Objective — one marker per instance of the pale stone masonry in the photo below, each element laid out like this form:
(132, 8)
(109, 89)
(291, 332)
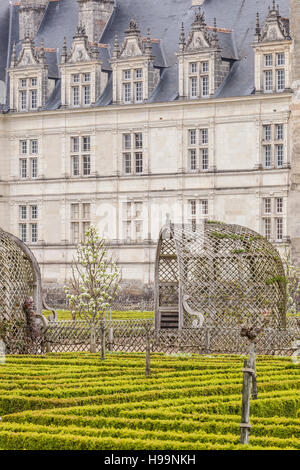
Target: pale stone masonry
(129, 113)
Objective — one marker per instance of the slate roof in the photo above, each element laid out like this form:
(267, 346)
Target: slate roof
(164, 20)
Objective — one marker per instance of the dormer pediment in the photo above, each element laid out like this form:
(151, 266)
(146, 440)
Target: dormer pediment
(132, 45)
(131, 48)
(28, 55)
(80, 51)
(197, 41)
(275, 28)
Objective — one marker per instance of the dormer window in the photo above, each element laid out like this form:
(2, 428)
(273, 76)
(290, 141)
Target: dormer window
(81, 93)
(272, 45)
(135, 74)
(202, 61)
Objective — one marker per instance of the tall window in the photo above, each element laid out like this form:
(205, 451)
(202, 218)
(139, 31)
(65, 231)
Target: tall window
(28, 94)
(198, 154)
(273, 149)
(198, 79)
(274, 72)
(197, 211)
(133, 153)
(28, 158)
(272, 218)
(133, 221)
(81, 89)
(28, 223)
(80, 156)
(80, 221)
(132, 85)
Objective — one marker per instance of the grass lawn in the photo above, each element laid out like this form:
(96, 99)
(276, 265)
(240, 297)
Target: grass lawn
(116, 315)
(75, 401)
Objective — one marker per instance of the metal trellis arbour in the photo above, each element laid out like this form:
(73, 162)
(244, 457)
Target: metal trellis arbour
(214, 274)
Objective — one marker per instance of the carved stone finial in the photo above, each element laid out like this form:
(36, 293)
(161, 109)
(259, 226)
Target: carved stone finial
(116, 52)
(64, 52)
(42, 51)
(215, 40)
(182, 38)
(133, 27)
(148, 47)
(14, 56)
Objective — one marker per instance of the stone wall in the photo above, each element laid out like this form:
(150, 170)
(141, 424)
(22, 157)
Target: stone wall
(294, 197)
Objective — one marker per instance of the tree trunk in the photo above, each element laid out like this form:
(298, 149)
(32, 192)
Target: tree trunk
(102, 341)
(92, 337)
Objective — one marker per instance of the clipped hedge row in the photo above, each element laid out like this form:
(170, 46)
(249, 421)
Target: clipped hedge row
(74, 401)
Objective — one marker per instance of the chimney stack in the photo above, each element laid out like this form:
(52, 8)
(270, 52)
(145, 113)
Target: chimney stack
(94, 15)
(31, 13)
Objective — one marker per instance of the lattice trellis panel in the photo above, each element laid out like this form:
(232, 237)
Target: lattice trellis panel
(227, 273)
(16, 279)
(131, 336)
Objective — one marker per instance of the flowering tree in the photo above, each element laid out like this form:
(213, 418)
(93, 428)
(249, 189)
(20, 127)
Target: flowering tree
(94, 283)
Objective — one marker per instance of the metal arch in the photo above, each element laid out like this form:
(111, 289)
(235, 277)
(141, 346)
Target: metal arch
(227, 274)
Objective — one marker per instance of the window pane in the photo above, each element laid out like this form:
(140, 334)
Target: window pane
(192, 137)
(193, 207)
(23, 212)
(139, 162)
(87, 77)
(139, 140)
(86, 211)
(279, 131)
(204, 207)
(86, 143)
(193, 87)
(23, 146)
(86, 165)
(75, 232)
(75, 96)
(127, 92)
(279, 229)
(193, 67)
(279, 205)
(34, 147)
(75, 165)
(34, 233)
(34, 212)
(204, 136)
(74, 144)
(127, 163)
(87, 95)
(267, 228)
(23, 168)
(193, 159)
(75, 211)
(280, 80)
(204, 159)
(267, 205)
(268, 80)
(268, 60)
(205, 86)
(267, 156)
(204, 67)
(138, 73)
(34, 167)
(280, 58)
(267, 132)
(23, 232)
(126, 74)
(139, 91)
(23, 100)
(127, 141)
(33, 101)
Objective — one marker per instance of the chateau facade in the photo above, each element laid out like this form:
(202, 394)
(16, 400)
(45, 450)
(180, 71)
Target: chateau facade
(129, 113)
